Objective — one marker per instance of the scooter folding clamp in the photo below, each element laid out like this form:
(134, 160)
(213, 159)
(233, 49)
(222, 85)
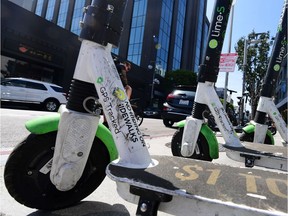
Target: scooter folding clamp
(250, 159)
(149, 200)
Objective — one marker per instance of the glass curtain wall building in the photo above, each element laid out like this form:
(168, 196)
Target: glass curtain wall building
(179, 35)
(62, 14)
(164, 34)
(137, 31)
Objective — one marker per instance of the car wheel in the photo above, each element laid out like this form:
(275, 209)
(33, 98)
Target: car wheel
(51, 105)
(168, 123)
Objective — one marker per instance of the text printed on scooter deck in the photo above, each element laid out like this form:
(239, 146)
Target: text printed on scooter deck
(184, 177)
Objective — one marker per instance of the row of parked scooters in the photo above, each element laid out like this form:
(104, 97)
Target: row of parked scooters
(67, 155)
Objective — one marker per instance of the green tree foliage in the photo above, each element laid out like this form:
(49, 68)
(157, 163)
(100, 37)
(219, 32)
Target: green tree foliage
(182, 77)
(257, 64)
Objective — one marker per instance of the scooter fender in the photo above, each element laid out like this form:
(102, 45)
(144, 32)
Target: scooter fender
(209, 136)
(250, 128)
(49, 123)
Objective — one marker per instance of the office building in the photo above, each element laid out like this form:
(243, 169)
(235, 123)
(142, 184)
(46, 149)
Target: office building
(158, 36)
(163, 34)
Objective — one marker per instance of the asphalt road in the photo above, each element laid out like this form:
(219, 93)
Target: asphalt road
(104, 201)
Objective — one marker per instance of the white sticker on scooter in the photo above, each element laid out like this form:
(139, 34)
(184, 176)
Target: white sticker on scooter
(47, 167)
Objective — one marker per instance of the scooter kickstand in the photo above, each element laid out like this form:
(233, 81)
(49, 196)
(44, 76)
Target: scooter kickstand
(149, 200)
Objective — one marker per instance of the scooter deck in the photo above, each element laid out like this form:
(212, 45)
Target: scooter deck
(269, 156)
(194, 179)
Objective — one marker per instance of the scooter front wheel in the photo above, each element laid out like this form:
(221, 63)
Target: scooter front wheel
(249, 137)
(27, 173)
(201, 150)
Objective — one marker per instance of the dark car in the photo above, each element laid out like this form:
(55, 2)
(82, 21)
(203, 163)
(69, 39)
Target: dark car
(178, 105)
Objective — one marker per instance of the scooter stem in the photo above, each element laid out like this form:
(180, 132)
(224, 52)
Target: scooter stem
(95, 68)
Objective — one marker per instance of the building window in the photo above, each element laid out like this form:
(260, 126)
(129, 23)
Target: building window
(137, 31)
(115, 50)
(39, 7)
(164, 34)
(197, 61)
(50, 10)
(77, 16)
(63, 13)
(179, 35)
(205, 39)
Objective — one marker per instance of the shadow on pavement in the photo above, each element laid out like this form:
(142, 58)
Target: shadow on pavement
(23, 106)
(87, 208)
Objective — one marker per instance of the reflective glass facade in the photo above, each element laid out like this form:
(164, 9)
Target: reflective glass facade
(77, 16)
(137, 31)
(164, 34)
(179, 35)
(62, 13)
(50, 10)
(205, 39)
(39, 7)
(167, 34)
(199, 37)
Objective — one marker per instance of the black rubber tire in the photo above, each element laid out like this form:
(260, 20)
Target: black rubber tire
(51, 105)
(34, 189)
(273, 130)
(248, 137)
(202, 144)
(168, 123)
(139, 119)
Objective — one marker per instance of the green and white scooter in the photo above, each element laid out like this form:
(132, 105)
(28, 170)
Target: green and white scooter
(199, 145)
(257, 131)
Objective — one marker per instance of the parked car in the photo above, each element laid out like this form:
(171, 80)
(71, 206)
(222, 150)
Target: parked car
(178, 105)
(30, 91)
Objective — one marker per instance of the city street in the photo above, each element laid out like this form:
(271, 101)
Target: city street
(105, 200)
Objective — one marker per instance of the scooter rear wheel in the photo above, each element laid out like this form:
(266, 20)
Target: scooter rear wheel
(202, 146)
(31, 186)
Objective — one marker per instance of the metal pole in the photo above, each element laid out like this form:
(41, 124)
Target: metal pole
(229, 50)
(241, 117)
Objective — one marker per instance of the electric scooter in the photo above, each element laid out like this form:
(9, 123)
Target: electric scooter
(49, 171)
(257, 130)
(194, 146)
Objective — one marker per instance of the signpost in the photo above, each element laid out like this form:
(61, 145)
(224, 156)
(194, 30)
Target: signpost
(227, 62)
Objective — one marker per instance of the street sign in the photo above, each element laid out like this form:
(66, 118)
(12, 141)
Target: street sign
(227, 62)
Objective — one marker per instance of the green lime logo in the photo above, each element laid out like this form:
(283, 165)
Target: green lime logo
(276, 67)
(213, 44)
(100, 80)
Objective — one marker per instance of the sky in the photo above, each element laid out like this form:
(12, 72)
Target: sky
(249, 15)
